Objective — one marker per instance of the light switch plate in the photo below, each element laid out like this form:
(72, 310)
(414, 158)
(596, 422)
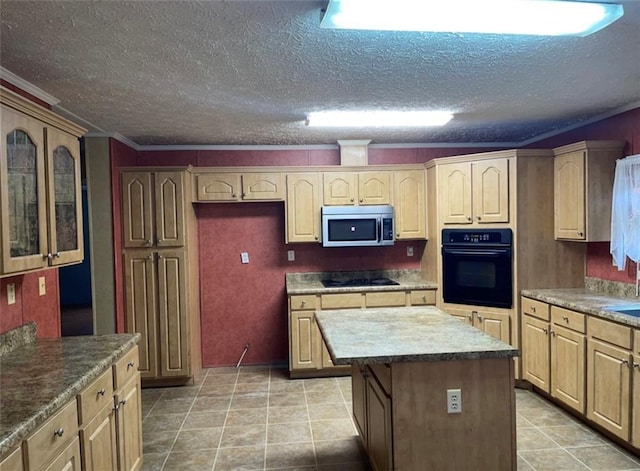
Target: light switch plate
(11, 293)
(409, 251)
(42, 286)
(291, 255)
(244, 256)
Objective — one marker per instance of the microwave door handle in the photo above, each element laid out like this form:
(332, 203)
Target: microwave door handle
(379, 229)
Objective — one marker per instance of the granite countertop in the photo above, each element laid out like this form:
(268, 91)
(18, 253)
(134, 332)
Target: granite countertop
(587, 301)
(38, 378)
(310, 283)
(404, 334)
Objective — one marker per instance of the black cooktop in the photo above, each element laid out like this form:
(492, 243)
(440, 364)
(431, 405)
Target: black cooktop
(358, 282)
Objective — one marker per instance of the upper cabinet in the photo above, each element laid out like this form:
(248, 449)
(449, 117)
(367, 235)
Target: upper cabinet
(474, 192)
(356, 188)
(303, 207)
(583, 185)
(409, 203)
(40, 188)
(224, 186)
(153, 209)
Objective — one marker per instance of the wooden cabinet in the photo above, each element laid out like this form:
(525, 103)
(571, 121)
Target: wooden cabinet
(474, 192)
(160, 272)
(223, 187)
(303, 207)
(13, 461)
(635, 402)
(583, 185)
(361, 188)
(493, 322)
(609, 367)
(128, 405)
(40, 188)
(409, 204)
(67, 460)
(98, 439)
(153, 209)
(359, 399)
(304, 352)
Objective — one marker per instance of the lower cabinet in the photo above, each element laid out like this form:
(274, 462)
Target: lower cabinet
(129, 426)
(67, 460)
(13, 461)
(495, 323)
(98, 440)
(635, 433)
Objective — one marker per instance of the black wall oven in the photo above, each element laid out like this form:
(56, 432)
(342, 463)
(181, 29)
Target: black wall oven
(477, 267)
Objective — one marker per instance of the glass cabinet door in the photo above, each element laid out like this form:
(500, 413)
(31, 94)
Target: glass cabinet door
(65, 218)
(22, 196)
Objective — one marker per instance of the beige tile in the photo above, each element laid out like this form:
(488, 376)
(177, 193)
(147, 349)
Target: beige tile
(153, 461)
(523, 465)
(290, 455)
(333, 429)
(293, 432)
(552, 460)
(163, 423)
(285, 399)
(217, 380)
(199, 460)
(529, 400)
(223, 390)
(279, 375)
(320, 384)
(339, 451)
(521, 421)
(327, 396)
(292, 386)
(203, 439)
(254, 377)
(329, 411)
(205, 419)
(157, 442)
(530, 438)
(572, 435)
(247, 435)
(204, 403)
(172, 406)
(180, 392)
(250, 400)
(244, 457)
(222, 370)
(237, 417)
(278, 415)
(243, 388)
(603, 458)
(546, 417)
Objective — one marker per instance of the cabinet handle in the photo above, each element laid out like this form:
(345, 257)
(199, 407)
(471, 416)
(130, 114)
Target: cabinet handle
(424, 299)
(478, 218)
(553, 333)
(101, 392)
(116, 407)
(122, 402)
(160, 257)
(244, 194)
(581, 234)
(479, 318)
(149, 242)
(533, 309)
(636, 365)
(160, 241)
(130, 365)
(150, 257)
(624, 362)
(565, 318)
(303, 303)
(233, 195)
(470, 316)
(545, 330)
(361, 201)
(352, 200)
(59, 432)
(56, 255)
(397, 234)
(50, 256)
(315, 237)
(469, 218)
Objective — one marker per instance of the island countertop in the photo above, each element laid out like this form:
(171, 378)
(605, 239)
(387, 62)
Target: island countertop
(404, 334)
(38, 378)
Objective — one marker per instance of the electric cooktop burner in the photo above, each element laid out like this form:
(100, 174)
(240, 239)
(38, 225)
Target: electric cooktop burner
(358, 282)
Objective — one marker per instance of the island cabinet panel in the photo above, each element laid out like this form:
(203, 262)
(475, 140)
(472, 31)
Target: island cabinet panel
(494, 322)
(359, 376)
(13, 461)
(379, 424)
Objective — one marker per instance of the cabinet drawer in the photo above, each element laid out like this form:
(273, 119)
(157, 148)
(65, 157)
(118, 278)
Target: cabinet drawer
(44, 444)
(615, 334)
(535, 308)
(95, 397)
(303, 301)
(423, 296)
(343, 300)
(386, 298)
(570, 319)
(382, 372)
(125, 368)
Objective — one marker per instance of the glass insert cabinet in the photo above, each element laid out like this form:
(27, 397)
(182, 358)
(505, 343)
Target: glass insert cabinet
(40, 199)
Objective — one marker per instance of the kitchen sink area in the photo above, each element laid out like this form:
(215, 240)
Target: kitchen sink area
(631, 310)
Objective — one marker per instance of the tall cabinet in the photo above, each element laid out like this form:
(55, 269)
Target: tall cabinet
(161, 272)
(40, 199)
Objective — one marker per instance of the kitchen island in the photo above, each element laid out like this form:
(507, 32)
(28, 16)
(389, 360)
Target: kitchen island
(408, 365)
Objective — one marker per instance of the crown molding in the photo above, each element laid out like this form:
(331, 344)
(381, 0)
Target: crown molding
(28, 87)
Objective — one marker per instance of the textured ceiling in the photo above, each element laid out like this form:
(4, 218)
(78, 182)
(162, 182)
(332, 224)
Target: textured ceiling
(248, 72)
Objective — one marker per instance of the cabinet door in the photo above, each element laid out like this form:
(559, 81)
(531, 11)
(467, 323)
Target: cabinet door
(536, 352)
(173, 335)
(327, 362)
(569, 195)
(409, 204)
(379, 427)
(140, 307)
(454, 191)
(340, 189)
(490, 180)
(169, 209)
(263, 186)
(67, 460)
(568, 367)
(465, 315)
(359, 398)
(65, 199)
(305, 341)
(609, 387)
(13, 462)
(303, 207)
(129, 426)
(23, 207)
(635, 403)
(98, 441)
(374, 188)
(218, 187)
(496, 324)
(137, 209)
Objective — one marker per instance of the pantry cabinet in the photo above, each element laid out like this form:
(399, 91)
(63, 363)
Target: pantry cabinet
(409, 204)
(225, 186)
(474, 192)
(356, 188)
(303, 207)
(40, 188)
(583, 186)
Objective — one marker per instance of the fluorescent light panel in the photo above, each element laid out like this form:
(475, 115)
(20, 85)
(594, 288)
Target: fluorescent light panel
(359, 119)
(531, 17)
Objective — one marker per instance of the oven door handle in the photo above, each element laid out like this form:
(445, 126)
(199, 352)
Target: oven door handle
(379, 229)
(490, 253)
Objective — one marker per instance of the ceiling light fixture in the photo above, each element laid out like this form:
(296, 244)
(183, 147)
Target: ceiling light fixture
(531, 17)
(359, 119)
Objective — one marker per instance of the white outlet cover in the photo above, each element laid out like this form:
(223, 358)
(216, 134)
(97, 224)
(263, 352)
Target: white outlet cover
(291, 255)
(11, 293)
(409, 251)
(244, 257)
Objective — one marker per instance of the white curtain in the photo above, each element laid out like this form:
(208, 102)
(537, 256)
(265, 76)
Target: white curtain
(625, 212)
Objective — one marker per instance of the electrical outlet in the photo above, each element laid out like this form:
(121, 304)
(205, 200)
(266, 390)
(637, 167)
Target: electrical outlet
(454, 401)
(409, 251)
(11, 293)
(42, 286)
(244, 257)
(291, 255)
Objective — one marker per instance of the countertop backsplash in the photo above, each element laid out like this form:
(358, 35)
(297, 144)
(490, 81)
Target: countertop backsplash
(613, 288)
(18, 337)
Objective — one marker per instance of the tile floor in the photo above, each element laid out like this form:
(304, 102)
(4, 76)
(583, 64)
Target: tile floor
(255, 418)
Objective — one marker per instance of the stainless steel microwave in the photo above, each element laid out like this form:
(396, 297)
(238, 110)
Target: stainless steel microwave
(357, 226)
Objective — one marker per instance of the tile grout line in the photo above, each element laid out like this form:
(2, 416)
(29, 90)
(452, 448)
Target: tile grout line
(226, 416)
(313, 440)
(266, 431)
